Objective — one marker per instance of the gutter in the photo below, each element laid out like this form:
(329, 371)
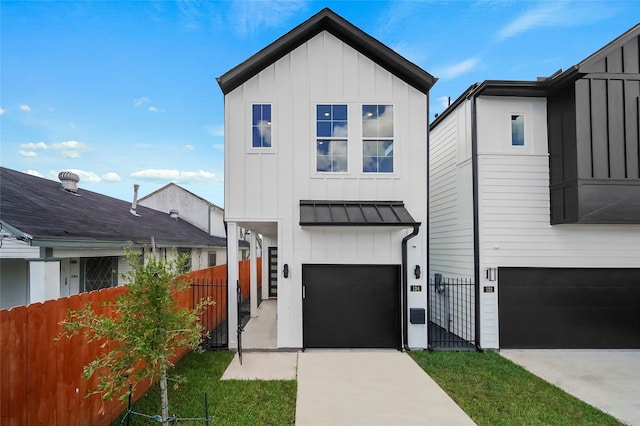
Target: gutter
(405, 282)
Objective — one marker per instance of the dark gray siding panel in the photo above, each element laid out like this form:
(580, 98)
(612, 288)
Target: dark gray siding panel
(569, 308)
(631, 57)
(631, 127)
(599, 135)
(599, 128)
(615, 130)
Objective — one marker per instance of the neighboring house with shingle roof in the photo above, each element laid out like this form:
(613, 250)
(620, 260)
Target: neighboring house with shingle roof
(58, 241)
(197, 211)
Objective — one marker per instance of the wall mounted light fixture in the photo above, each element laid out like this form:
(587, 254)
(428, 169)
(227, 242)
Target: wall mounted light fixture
(492, 274)
(285, 271)
(417, 272)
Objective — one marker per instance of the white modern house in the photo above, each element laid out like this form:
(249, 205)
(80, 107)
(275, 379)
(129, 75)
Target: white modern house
(58, 239)
(325, 156)
(535, 195)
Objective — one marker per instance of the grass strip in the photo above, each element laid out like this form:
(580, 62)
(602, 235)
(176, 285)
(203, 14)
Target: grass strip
(231, 402)
(492, 390)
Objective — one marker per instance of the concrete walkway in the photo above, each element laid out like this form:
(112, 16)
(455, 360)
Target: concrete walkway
(351, 387)
(260, 333)
(607, 379)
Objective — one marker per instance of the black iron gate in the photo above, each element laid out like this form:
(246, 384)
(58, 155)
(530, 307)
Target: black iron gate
(214, 317)
(452, 313)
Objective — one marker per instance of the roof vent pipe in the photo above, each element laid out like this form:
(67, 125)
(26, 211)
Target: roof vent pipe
(69, 181)
(174, 214)
(135, 200)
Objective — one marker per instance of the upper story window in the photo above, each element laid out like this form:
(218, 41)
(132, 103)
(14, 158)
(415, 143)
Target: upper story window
(261, 126)
(517, 130)
(377, 142)
(331, 138)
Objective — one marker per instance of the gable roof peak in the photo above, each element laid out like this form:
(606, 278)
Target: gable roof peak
(327, 20)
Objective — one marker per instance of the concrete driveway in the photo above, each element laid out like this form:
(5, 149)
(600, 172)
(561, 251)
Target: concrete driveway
(606, 379)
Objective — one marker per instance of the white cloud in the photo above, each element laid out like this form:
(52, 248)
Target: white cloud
(111, 177)
(70, 149)
(153, 109)
(85, 176)
(251, 16)
(455, 70)
(556, 14)
(189, 147)
(31, 145)
(215, 130)
(27, 153)
(197, 14)
(443, 101)
(34, 173)
(2, 111)
(26, 108)
(72, 125)
(138, 102)
(218, 146)
(175, 175)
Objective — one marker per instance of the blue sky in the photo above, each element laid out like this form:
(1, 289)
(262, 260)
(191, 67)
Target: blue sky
(125, 92)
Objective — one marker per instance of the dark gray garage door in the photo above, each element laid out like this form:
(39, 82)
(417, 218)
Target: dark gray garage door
(351, 306)
(569, 308)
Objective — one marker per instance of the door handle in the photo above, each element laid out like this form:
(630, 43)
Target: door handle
(304, 292)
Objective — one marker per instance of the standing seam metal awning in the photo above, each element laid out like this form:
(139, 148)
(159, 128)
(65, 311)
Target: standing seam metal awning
(355, 213)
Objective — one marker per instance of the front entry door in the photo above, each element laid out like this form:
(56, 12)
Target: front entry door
(273, 271)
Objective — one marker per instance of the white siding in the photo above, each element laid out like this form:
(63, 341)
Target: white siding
(451, 196)
(191, 208)
(266, 185)
(514, 208)
(16, 249)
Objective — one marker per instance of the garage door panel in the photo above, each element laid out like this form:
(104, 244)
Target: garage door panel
(569, 308)
(351, 306)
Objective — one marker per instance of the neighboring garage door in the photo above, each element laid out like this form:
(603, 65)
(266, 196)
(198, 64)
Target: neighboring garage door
(569, 308)
(351, 306)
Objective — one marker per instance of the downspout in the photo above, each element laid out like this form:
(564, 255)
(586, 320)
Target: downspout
(226, 246)
(405, 283)
(476, 220)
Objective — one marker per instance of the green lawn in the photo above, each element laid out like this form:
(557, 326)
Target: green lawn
(495, 391)
(490, 388)
(231, 402)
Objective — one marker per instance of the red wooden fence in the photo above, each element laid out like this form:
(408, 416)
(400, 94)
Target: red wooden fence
(40, 377)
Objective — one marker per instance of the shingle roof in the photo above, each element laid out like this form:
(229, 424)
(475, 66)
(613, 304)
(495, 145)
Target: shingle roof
(355, 213)
(48, 213)
(328, 20)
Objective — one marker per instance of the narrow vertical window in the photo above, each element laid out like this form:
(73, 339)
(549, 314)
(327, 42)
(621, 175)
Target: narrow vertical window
(331, 138)
(377, 143)
(517, 130)
(261, 126)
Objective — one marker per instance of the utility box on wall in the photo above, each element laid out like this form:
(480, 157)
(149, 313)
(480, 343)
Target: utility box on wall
(417, 315)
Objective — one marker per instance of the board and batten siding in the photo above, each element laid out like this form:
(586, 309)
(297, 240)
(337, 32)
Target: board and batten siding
(514, 208)
(266, 185)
